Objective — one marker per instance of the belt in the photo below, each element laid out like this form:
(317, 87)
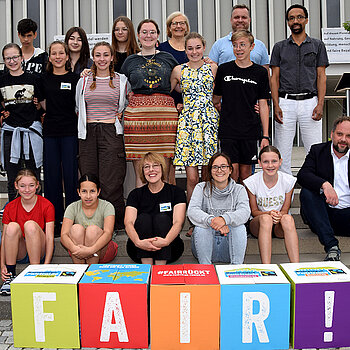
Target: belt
(298, 97)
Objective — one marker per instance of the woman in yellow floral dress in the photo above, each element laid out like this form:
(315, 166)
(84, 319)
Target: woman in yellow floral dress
(196, 139)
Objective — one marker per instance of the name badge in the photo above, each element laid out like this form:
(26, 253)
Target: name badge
(65, 86)
(165, 207)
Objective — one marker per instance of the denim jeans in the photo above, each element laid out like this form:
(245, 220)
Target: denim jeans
(209, 246)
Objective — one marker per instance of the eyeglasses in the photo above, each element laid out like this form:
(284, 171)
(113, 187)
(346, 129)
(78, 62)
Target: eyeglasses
(13, 58)
(222, 167)
(179, 23)
(150, 32)
(123, 30)
(154, 166)
(298, 18)
(240, 45)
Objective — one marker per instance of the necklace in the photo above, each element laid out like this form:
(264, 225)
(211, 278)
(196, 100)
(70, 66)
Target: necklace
(148, 59)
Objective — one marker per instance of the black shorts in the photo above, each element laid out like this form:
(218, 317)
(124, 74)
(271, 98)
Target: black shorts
(240, 151)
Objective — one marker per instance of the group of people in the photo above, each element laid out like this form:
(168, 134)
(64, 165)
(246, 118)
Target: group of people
(161, 106)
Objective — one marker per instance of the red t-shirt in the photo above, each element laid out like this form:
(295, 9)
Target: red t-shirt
(42, 213)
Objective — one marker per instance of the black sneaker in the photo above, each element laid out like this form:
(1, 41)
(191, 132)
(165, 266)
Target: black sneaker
(333, 254)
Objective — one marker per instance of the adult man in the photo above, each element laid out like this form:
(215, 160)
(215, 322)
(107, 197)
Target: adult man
(325, 196)
(222, 50)
(298, 85)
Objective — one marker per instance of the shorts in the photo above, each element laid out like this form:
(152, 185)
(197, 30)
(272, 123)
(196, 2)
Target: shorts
(240, 151)
(247, 225)
(25, 260)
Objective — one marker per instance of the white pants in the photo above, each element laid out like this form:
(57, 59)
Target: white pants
(311, 130)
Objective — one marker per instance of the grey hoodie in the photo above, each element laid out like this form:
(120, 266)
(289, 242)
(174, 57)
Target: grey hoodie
(231, 203)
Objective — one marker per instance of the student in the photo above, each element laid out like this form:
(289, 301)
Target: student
(21, 132)
(219, 208)
(88, 225)
(34, 58)
(28, 231)
(239, 84)
(57, 96)
(270, 194)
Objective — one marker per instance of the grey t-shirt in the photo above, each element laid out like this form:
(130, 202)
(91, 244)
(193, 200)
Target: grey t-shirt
(76, 213)
(298, 64)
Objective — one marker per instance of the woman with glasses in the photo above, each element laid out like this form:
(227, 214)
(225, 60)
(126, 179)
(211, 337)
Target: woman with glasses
(219, 209)
(154, 215)
(150, 120)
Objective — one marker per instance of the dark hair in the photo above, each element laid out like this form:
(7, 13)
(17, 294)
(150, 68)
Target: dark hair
(147, 20)
(340, 120)
(49, 66)
(269, 148)
(131, 43)
(85, 50)
(240, 6)
(11, 46)
(27, 172)
(297, 6)
(26, 25)
(194, 35)
(89, 177)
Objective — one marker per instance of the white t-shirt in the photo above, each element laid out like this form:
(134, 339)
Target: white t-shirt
(270, 198)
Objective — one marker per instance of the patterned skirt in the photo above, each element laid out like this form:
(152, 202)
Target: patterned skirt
(150, 123)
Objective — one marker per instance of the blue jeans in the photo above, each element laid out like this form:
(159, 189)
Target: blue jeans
(209, 246)
(323, 220)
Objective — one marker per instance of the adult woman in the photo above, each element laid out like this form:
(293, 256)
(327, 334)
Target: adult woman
(101, 98)
(219, 208)
(57, 96)
(155, 213)
(88, 225)
(151, 118)
(79, 51)
(28, 232)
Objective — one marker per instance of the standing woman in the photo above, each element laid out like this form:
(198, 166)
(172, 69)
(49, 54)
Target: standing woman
(151, 117)
(57, 96)
(100, 99)
(79, 51)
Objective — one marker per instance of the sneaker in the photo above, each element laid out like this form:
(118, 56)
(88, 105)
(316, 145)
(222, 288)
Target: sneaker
(333, 254)
(6, 288)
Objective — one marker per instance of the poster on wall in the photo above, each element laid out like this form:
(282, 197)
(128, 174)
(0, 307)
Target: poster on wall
(337, 41)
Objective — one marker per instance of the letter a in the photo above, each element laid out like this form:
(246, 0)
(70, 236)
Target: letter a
(248, 318)
(39, 315)
(113, 307)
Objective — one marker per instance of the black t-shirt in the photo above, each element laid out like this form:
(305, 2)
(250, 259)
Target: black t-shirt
(150, 74)
(153, 203)
(240, 88)
(121, 57)
(17, 93)
(59, 93)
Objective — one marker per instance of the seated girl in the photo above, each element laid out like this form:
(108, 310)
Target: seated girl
(28, 232)
(270, 194)
(88, 225)
(219, 208)
(154, 215)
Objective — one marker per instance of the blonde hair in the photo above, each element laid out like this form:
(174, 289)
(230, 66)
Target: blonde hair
(155, 158)
(242, 33)
(27, 172)
(170, 19)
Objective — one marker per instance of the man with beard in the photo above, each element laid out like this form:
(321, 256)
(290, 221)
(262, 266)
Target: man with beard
(298, 85)
(325, 194)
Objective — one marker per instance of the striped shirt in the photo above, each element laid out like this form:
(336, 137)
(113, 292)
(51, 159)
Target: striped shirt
(102, 103)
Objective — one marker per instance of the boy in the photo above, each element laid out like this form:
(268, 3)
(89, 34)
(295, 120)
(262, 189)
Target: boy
(239, 85)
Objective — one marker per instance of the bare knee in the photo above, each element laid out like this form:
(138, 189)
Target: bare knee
(13, 230)
(31, 228)
(265, 220)
(92, 233)
(77, 233)
(287, 222)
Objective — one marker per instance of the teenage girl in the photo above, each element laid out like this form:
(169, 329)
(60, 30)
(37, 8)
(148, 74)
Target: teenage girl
(270, 194)
(28, 231)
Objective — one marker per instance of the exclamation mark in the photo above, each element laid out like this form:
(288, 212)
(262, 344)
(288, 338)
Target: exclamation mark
(328, 311)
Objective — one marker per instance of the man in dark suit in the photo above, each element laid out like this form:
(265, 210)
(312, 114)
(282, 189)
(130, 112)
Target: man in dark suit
(325, 194)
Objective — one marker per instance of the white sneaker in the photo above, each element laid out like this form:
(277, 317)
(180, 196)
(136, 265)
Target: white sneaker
(6, 288)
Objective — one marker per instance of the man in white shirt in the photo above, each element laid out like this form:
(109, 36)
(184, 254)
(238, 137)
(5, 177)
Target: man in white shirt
(325, 194)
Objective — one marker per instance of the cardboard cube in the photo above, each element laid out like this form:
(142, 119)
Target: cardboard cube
(255, 307)
(44, 301)
(320, 304)
(185, 303)
(113, 306)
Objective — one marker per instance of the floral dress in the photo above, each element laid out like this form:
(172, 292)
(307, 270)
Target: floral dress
(197, 131)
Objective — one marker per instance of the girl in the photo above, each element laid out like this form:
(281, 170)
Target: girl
(219, 208)
(155, 214)
(79, 51)
(100, 99)
(88, 225)
(57, 95)
(270, 194)
(28, 231)
(21, 132)
(151, 116)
